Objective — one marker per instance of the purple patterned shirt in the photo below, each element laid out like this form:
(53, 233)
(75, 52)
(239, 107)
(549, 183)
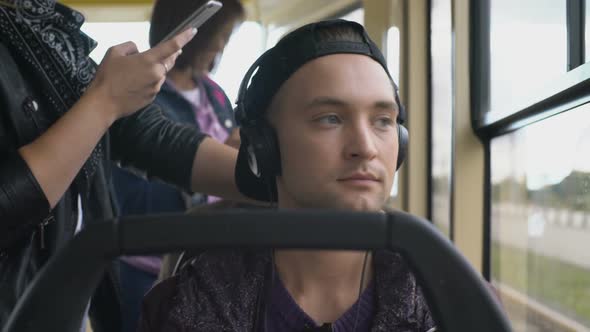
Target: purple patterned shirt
(204, 113)
(284, 314)
(205, 117)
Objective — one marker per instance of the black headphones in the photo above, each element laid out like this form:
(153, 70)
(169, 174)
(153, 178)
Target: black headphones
(255, 131)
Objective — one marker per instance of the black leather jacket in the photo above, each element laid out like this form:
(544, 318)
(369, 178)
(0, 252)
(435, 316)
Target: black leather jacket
(146, 140)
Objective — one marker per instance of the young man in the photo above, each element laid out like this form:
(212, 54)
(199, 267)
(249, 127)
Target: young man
(321, 128)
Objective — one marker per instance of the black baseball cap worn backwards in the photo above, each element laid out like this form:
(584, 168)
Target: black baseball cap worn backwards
(259, 159)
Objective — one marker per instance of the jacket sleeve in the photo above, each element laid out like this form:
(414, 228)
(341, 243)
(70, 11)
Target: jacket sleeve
(163, 148)
(22, 201)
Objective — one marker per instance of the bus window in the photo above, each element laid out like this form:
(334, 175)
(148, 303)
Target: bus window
(540, 257)
(393, 63)
(528, 48)
(441, 109)
(274, 35)
(587, 34)
(357, 15)
(243, 48)
(108, 34)
(238, 56)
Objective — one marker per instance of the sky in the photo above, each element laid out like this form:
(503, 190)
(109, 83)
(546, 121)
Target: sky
(546, 151)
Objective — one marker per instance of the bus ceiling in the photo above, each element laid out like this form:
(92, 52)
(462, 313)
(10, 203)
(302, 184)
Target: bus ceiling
(269, 12)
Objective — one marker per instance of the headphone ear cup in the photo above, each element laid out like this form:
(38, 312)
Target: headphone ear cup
(240, 115)
(403, 138)
(270, 154)
(253, 161)
(263, 153)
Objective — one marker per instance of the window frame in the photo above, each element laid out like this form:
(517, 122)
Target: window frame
(429, 124)
(554, 98)
(567, 92)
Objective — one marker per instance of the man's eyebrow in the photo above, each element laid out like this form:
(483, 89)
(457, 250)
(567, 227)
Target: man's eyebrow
(330, 101)
(387, 105)
(326, 101)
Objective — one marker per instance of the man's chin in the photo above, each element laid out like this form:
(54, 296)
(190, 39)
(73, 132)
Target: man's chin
(360, 204)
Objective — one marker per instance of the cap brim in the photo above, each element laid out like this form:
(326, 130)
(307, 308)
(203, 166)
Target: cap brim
(249, 184)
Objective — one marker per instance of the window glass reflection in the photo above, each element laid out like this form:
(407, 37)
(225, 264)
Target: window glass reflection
(528, 48)
(392, 56)
(587, 33)
(357, 15)
(541, 223)
(108, 34)
(244, 47)
(442, 112)
(393, 53)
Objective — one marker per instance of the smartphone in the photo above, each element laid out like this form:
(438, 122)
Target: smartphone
(196, 19)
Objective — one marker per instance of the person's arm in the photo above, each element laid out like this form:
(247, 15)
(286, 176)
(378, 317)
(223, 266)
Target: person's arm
(57, 156)
(125, 82)
(234, 139)
(21, 198)
(176, 153)
(214, 165)
(213, 170)
(34, 177)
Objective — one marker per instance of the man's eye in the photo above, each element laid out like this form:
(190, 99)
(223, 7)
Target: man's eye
(329, 119)
(385, 122)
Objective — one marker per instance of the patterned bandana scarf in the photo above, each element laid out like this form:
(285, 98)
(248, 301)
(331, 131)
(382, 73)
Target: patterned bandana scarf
(47, 36)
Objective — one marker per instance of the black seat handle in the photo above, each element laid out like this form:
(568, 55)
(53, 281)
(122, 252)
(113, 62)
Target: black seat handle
(457, 295)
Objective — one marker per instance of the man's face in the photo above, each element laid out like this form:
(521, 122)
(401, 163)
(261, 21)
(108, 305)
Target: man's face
(335, 119)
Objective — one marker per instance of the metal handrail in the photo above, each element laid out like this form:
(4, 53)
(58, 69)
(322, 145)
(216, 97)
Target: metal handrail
(458, 297)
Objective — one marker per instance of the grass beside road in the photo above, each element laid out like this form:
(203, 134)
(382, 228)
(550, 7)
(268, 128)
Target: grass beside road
(562, 286)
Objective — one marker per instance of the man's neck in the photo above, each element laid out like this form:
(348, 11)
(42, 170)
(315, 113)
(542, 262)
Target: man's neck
(325, 284)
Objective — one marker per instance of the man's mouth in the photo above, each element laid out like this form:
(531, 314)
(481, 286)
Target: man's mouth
(360, 178)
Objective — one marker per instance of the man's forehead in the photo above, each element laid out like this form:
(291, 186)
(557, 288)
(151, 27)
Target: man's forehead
(339, 76)
(337, 63)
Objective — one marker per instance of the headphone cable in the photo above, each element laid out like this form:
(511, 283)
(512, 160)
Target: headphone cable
(358, 304)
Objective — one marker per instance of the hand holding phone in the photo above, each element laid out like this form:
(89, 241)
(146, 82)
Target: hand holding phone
(196, 19)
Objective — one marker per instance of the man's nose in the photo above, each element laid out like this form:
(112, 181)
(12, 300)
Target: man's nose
(360, 142)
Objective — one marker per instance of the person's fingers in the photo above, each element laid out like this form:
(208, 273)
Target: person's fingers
(167, 67)
(170, 61)
(160, 83)
(127, 48)
(170, 47)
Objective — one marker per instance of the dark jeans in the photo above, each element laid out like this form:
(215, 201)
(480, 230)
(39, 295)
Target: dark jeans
(135, 283)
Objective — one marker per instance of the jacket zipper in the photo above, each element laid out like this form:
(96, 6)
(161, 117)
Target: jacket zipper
(41, 226)
(31, 110)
